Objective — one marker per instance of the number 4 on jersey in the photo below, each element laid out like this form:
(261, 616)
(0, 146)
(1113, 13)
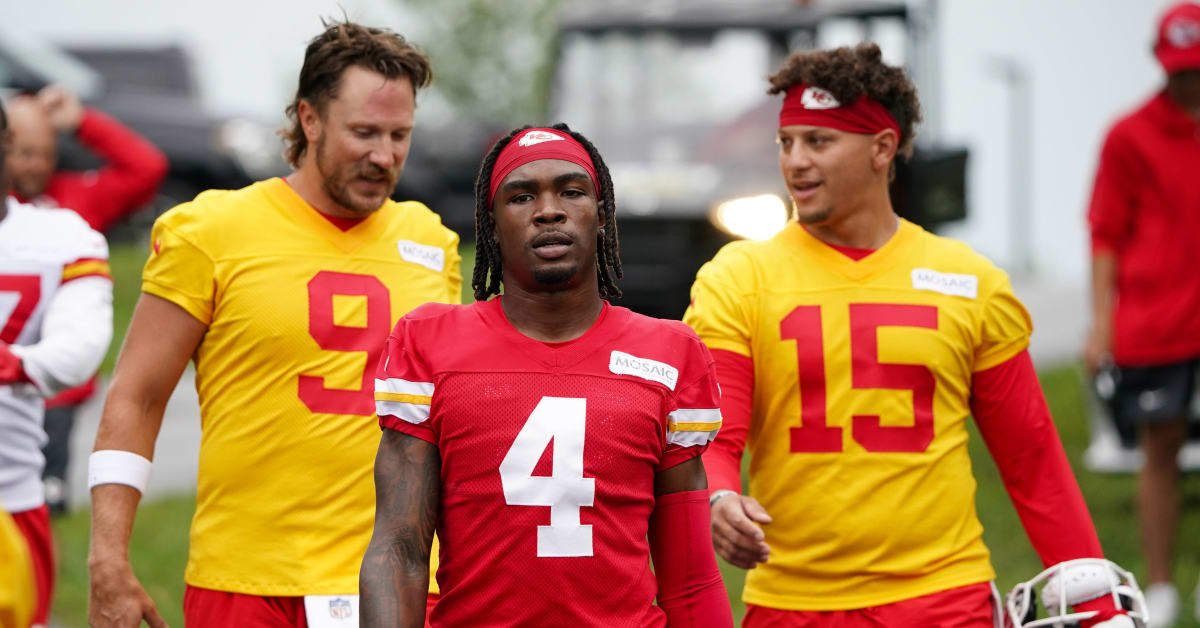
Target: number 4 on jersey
(561, 420)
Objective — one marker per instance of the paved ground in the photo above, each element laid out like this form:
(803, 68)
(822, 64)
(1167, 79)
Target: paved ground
(1059, 326)
(175, 454)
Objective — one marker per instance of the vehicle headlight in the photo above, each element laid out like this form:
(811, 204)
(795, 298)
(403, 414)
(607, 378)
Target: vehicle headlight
(752, 217)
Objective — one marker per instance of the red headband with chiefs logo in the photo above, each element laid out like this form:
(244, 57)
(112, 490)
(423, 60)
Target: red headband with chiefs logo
(534, 144)
(813, 106)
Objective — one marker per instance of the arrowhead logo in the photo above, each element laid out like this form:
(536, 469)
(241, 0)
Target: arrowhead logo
(817, 98)
(537, 137)
(1183, 33)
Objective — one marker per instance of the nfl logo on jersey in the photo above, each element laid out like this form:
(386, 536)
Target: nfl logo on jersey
(339, 608)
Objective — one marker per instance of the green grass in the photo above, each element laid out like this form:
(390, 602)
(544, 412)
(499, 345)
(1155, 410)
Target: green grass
(158, 553)
(126, 260)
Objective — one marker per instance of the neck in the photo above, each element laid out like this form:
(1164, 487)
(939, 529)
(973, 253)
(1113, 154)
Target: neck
(306, 181)
(552, 316)
(1177, 96)
(866, 226)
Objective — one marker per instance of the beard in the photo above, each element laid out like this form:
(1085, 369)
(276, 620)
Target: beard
(336, 181)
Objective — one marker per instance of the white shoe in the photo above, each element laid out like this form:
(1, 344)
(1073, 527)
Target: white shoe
(1162, 602)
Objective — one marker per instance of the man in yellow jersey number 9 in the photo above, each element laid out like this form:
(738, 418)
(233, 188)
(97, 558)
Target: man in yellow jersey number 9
(851, 347)
(283, 293)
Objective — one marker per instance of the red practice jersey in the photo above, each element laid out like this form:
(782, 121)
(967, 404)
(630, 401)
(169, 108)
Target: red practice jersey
(549, 452)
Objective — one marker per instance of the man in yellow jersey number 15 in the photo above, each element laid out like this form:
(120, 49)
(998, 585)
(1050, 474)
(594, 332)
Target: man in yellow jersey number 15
(282, 293)
(851, 347)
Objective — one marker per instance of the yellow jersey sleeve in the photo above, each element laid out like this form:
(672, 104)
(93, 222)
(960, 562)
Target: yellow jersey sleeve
(454, 278)
(1006, 327)
(178, 270)
(721, 308)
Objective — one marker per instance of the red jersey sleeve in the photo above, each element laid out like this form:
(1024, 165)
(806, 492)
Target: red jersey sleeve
(1019, 432)
(723, 460)
(133, 169)
(1114, 194)
(404, 386)
(696, 417)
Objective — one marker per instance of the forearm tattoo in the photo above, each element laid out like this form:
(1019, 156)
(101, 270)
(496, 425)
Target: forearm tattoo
(394, 579)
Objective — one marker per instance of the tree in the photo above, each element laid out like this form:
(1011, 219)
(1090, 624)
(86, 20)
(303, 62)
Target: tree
(492, 61)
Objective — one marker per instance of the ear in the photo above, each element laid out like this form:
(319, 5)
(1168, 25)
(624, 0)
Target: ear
(601, 217)
(310, 120)
(883, 149)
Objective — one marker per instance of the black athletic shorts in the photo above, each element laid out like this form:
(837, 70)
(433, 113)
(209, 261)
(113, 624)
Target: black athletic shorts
(1150, 394)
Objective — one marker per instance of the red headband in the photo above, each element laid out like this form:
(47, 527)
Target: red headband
(813, 106)
(534, 144)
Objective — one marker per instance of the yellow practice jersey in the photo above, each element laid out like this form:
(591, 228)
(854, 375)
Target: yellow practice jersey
(298, 312)
(862, 380)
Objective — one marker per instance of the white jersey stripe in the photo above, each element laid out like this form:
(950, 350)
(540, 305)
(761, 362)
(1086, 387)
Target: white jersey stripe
(690, 439)
(412, 412)
(697, 415)
(404, 387)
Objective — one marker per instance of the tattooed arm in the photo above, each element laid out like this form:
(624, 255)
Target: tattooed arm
(394, 579)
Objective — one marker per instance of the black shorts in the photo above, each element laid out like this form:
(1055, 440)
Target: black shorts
(1152, 394)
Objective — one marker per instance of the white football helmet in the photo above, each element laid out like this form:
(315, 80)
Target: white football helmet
(1073, 582)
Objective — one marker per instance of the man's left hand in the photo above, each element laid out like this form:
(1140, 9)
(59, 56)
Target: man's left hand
(10, 366)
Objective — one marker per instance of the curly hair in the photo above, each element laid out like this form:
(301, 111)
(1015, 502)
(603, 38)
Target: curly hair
(848, 73)
(342, 45)
(488, 267)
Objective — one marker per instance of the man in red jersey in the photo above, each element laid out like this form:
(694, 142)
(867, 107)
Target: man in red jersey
(545, 433)
(851, 349)
(132, 170)
(1145, 219)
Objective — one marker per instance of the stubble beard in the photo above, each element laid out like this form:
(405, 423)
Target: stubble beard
(335, 183)
(814, 218)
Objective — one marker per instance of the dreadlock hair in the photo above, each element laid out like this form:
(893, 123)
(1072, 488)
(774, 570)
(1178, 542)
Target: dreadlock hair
(488, 269)
(848, 73)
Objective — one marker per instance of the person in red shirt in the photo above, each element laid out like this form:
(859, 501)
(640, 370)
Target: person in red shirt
(1145, 221)
(130, 176)
(552, 439)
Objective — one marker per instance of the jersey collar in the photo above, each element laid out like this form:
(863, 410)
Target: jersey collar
(882, 260)
(556, 355)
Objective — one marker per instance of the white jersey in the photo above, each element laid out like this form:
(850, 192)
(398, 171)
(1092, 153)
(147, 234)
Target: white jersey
(56, 316)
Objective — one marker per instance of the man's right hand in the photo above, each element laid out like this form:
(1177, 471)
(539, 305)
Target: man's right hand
(737, 536)
(117, 600)
(1097, 349)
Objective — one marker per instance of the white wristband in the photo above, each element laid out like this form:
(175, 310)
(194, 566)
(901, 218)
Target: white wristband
(113, 466)
(712, 499)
